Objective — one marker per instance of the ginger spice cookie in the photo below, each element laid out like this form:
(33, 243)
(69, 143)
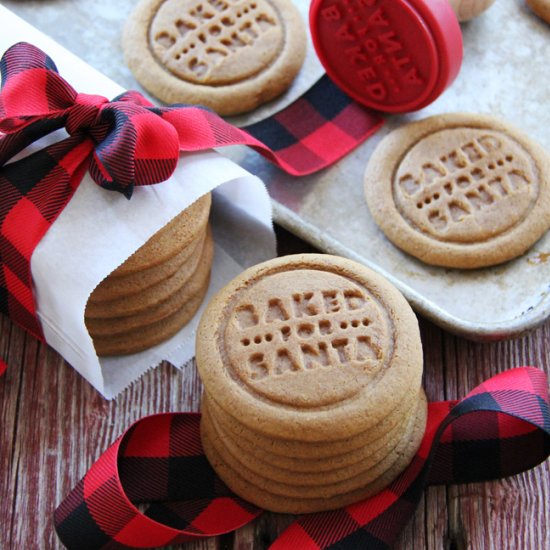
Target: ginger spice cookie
(468, 9)
(156, 309)
(460, 190)
(311, 366)
(296, 499)
(229, 55)
(541, 8)
(309, 347)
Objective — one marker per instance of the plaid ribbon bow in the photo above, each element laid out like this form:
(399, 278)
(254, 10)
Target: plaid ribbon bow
(128, 142)
(500, 428)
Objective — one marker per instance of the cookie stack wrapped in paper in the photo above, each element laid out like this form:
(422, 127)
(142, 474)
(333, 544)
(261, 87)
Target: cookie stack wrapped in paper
(157, 290)
(94, 294)
(312, 369)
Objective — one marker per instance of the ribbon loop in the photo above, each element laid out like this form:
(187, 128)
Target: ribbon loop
(125, 143)
(160, 460)
(83, 114)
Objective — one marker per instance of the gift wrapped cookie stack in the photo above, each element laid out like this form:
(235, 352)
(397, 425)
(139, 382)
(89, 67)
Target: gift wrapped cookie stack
(312, 370)
(154, 293)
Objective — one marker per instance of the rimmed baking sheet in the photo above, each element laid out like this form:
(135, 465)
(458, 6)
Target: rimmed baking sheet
(505, 73)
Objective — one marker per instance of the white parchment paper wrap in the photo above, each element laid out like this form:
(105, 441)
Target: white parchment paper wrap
(99, 229)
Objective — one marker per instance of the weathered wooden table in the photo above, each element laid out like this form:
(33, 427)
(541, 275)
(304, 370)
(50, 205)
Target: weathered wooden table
(54, 425)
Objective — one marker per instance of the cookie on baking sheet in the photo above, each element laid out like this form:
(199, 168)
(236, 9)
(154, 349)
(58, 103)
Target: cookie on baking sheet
(170, 304)
(541, 8)
(468, 9)
(460, 190)
(229, 55)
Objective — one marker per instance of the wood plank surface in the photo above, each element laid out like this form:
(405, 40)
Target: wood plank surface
(54, 425)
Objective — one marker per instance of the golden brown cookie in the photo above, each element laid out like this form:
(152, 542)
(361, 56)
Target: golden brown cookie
(468, 9)
(138, 281)
(145, 337)
(170, 304)
(460, 190)
(229, 55)
(273, 496)
(541, 8)
(289, 453)
(168, 241)
(309, 347)
(314, 472)
(155, 294)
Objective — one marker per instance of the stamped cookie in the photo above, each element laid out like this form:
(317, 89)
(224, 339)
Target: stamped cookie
(229, 55)
(541, 8)
(468, 9)
(309, 347)
(311, 366)
(460, 190)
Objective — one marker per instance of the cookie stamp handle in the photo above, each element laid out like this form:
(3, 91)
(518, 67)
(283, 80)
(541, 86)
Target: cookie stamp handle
(394, 56)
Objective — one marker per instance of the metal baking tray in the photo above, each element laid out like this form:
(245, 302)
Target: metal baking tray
(505, 73)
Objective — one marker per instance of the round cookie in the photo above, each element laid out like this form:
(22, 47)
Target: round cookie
(136, 282)
(170, 305)
(468, 9)
(142, 338)
(265, 495)
(541, 8)
(164, 244)
(460, 190)
(154, 294)
(311, 347)
(230, 56)
(291, 452)
(334, 470)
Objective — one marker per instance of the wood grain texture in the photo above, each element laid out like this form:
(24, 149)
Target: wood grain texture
(54, 426)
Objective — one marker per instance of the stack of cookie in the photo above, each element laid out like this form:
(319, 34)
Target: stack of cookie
(312, 370)
(157, 290)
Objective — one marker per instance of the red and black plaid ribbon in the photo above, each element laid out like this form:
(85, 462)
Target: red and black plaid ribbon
(500, 428)
(127, 142)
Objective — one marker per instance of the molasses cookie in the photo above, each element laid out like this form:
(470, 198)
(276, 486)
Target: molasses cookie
(154, 294)
(134, 283)
(272, 496)
(163, 246)
(229, 55)
(541, 8)
(311, 366)
(460, 190)
(310, 347)
(468, 9)
(171, 303)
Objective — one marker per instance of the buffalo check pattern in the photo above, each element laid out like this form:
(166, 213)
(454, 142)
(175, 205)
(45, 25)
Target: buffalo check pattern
(501, 428)
(127, 142)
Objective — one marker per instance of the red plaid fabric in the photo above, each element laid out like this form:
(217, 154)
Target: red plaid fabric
(500, 428)
(128, 142)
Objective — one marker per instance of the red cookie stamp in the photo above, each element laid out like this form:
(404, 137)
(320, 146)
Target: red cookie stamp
(391, 55)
